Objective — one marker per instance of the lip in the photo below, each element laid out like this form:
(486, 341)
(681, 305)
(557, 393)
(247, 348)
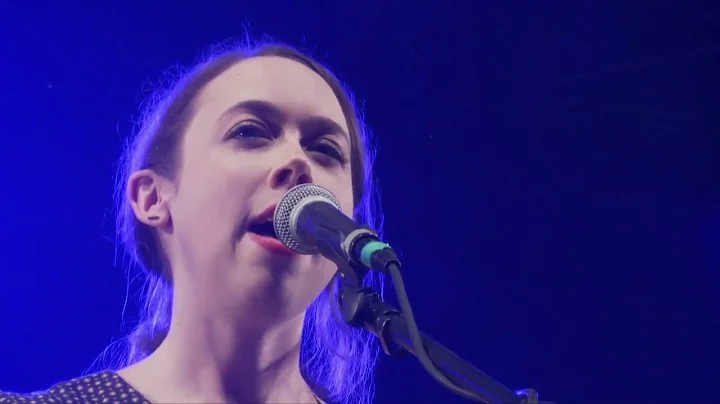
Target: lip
(271, 244)
(266, 214)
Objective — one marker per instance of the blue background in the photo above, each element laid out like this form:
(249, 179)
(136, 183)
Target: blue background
(550, 175)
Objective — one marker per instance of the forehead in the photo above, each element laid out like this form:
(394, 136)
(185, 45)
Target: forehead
(290, 85)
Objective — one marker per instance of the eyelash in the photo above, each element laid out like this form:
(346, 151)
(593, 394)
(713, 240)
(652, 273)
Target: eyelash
(236, 131)
(326, 147)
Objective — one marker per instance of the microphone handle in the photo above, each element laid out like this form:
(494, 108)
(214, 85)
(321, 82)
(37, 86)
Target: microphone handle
(342, 240)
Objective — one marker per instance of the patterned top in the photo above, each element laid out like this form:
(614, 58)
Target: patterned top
(104, 387)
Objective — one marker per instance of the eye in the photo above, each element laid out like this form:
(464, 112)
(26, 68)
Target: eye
(250, 131)
(329, 149)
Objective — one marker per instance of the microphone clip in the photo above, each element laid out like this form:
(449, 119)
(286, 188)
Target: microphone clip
(362, 307)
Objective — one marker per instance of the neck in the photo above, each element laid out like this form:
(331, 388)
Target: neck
(210, 357)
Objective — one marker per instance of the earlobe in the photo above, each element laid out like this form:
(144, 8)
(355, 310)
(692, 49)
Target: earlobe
(147, 200)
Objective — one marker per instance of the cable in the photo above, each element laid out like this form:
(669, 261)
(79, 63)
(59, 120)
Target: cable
(416, 338)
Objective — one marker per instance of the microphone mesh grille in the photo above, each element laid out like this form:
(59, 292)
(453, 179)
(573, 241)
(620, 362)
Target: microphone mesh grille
(283, 214)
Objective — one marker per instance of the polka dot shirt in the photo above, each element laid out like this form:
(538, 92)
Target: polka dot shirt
(104, 387)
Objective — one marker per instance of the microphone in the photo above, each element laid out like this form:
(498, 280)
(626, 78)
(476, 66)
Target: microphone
(308, 220)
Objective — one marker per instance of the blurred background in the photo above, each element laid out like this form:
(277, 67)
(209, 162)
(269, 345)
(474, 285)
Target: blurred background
(550, 174)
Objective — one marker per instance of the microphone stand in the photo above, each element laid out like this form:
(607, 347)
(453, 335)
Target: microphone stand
(362, 307)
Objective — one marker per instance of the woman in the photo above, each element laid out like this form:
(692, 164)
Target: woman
(227, 308)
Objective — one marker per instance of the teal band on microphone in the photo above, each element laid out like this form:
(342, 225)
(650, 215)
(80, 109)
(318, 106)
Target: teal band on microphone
(369, 249)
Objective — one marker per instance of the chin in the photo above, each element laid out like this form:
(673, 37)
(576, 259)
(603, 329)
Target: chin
(268, 299)
(268, 275)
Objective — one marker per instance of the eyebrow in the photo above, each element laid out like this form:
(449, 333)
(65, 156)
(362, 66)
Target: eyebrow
(267, 110)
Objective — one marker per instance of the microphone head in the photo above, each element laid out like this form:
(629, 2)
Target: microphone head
(286, 212)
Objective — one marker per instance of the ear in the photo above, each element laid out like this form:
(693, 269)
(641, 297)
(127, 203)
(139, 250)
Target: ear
(149, 197)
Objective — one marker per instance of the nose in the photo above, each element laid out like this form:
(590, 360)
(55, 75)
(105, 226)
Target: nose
(294, 172)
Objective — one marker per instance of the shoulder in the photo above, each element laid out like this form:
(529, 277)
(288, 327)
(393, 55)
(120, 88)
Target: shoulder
(103, 387)
(13, 398)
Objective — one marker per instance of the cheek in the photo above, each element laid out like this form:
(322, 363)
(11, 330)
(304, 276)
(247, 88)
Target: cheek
(212, 195)
(342, 189)
(348, 207)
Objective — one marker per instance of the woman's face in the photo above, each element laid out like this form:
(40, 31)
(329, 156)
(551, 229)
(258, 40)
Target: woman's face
(260, 128)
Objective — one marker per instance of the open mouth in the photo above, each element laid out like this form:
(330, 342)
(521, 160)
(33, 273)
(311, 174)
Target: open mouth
(264, 228)
(263, 233)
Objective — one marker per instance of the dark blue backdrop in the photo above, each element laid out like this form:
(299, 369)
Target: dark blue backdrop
(550, 175)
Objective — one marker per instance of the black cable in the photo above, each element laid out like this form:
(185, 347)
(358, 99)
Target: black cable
(422, 355)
